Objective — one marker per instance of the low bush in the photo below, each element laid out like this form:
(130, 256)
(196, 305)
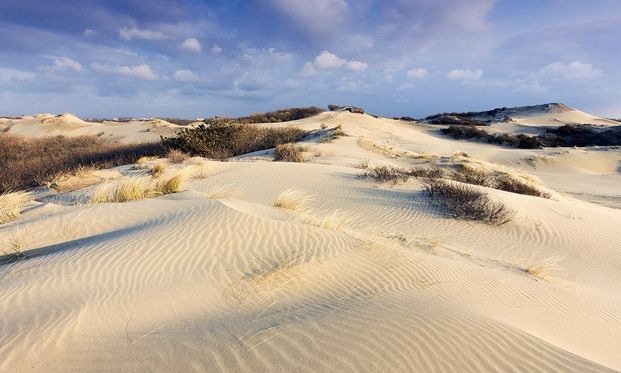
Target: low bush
(27, 163)
(471, 132)
(582, 135)
(282, 115)
(388, 174)
(465, 202)
(514, 185)
(176, 156)
(289, 153)
(221, 138)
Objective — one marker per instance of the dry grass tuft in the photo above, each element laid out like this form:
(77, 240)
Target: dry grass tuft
(332, 134)
(11, 205)
(177, 156)
(388, 174)
(136, 188)
(289, 153)
(465, 202)
(15, 252)
(158, 169)
(171, 185)
(293, 199)
(501, 181)
(512, 184)
(472, 175)
(542, 268)
(362, 164)
(336, 220)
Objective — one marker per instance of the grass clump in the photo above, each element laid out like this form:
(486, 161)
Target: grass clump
(176, 156)
(292, 199)
(333, 134)
(514, 185)
(503, 181)
(388, 174)
(11, 205)
(221, 138)
(137, 188)
(289, 153)
(465, 202)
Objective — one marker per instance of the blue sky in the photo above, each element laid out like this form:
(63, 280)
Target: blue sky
(393, 57)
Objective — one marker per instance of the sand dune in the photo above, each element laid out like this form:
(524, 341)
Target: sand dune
(216, 278)
(68, 124)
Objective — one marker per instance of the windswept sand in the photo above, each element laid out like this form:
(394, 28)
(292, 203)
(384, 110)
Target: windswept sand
(365, 277)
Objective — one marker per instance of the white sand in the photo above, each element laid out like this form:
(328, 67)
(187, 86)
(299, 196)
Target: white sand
(188, 283)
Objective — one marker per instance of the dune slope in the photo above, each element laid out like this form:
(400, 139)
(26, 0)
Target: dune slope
(362, 277)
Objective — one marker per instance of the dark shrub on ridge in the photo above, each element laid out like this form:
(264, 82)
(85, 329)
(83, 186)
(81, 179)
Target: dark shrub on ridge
(221, 138)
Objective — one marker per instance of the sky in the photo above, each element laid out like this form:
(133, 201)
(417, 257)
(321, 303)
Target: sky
(193, 58)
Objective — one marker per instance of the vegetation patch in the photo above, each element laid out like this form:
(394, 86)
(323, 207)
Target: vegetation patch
(27, 163)
(221, 138)
(282, 115)
(11, 205)
(465, 202)
(289, 153)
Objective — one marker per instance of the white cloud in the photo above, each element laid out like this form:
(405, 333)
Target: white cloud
(216, 50)
(141, 71)
(89, 32)
(465, 76)
(326, 60)
(572, 71)
(185, 76)
(308, 70)
(64, 64)
(356, 66)
(417, 73)
(7, 74)
(191, 44)
(330, 61)
(127, 33)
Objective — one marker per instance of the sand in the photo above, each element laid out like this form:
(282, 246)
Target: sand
(366, 277)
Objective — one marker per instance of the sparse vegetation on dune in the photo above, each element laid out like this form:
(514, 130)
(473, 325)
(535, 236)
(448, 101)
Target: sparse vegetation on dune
(27, 163)
(465, 202)
(470, 132)
(137, 188)
(289, 153)
(292, 199)
(567, 135)
(333, 133)
(282, 115)
(581, 135)
(388, 174)
(464, 173)
(11, 205)
(221, 138)
(176, 156)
